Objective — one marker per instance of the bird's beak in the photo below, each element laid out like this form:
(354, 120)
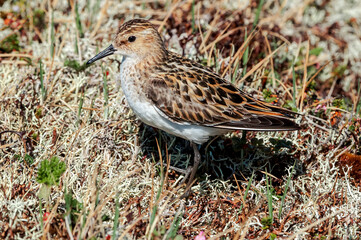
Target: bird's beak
(106, 52)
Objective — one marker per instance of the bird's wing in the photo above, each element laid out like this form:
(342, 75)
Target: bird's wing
(188, 93)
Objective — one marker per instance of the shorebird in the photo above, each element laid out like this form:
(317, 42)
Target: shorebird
(183, 97)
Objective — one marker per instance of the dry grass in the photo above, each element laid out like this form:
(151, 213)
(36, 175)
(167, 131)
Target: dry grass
(303, 55)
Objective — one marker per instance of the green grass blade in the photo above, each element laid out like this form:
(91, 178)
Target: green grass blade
(294, 83)
(52, 35)
(83, 221)
(247, 189)
(155, 207)
(257, 14)
(358, 108)
(269, 198)
(285, 192)
(76, 45)
(41, 214)
(245, 56)
(97, 200)
(193, 17)
(80, 107)
(175, 226)
(234, 77)
(42, 87)
(68, 205)
(116, 218)
(215, 59)
(78, 22)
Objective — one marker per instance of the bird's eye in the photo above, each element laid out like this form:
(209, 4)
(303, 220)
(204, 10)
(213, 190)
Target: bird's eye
(131, 39)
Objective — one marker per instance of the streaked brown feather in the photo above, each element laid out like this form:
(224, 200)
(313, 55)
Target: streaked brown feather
(193, 94)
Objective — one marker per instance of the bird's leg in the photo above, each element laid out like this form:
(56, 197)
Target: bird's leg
(193, 169)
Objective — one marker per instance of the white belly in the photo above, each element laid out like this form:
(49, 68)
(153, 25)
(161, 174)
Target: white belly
(152, 116)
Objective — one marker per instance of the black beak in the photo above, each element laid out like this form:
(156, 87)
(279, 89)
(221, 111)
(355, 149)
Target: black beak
(106, 52)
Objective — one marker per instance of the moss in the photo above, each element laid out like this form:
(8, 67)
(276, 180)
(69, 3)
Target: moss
(50, 171)
(73, 64)
(10, 44)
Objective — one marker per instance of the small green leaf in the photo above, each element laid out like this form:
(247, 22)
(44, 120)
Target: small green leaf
(267, 96)
(272, 236)
(339, 103)
(28, 159)
(266, 222)
(316, 51)
(340, 70)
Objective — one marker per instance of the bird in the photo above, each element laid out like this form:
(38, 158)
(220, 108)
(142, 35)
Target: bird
(181, 96)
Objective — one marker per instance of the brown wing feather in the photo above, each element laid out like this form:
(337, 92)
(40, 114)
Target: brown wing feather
(193, 94)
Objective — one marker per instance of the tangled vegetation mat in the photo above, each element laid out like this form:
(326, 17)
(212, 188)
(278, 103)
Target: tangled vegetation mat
(75, 163)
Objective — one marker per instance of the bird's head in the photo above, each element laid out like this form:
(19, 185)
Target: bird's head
(136, 38)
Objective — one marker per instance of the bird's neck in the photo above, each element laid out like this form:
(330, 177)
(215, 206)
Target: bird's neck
(147, 61)
(137, 70)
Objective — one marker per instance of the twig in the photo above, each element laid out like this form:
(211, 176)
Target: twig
(68, 227)
(211, 26)
(168, 15)
(317, 125)
(258, 65)
(16, 55)
(271, 59)
(302, 93)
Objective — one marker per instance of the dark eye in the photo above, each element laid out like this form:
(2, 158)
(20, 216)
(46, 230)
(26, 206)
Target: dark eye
(131, 39)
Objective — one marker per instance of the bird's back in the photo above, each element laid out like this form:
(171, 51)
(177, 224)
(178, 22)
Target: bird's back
(189, 93)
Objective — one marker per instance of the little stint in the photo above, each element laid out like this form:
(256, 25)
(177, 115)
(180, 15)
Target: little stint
(183, 97)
